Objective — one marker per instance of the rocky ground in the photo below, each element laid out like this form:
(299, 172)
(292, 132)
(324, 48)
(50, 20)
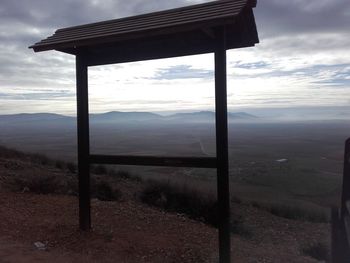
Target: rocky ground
(130, 231)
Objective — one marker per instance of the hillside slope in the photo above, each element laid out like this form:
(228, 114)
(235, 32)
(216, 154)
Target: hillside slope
(130, 231)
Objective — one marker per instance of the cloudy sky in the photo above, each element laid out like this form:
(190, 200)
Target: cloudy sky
(303, 60)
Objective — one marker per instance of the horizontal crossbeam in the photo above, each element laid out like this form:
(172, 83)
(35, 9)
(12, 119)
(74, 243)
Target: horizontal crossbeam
(197, 162)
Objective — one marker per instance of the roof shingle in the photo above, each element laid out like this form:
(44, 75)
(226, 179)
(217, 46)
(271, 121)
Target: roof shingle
(222, 12)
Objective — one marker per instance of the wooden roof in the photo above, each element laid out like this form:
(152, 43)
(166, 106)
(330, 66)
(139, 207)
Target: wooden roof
(175, 32)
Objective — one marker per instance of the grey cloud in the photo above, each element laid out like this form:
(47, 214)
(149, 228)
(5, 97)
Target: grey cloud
(24, 22)
(276, 17)
(290, 102)
(285, 28)
(37, 96)
(337, 74)
(183, 72)
(154, 105)
(256, 65)
(143, 102)
(334, 82)
(54, 14)
(303, 44)
(20, 67)
(44, 76)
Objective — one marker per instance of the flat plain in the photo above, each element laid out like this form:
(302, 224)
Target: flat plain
(311, 173)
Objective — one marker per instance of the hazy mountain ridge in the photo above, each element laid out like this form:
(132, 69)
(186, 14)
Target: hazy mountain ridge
(124, 116)
(292, 115)
(118, 116)
(24, 117)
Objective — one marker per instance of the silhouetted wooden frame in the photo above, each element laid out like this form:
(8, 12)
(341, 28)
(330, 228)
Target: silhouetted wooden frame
(211, 27)
(220, 161)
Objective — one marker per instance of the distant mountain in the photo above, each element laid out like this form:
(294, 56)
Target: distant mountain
(122, 117)
(209, 116)
(115, 116)
(200, 116)
(33, 117)
(241, 115)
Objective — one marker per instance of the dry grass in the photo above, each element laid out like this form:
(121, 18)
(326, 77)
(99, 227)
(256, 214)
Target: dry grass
(181, 199)
(190, 200)
(294, 212)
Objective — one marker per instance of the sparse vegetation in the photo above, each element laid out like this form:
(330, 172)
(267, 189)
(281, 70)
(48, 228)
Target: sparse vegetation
(44, 183)
(192, 199)
(121, 174)
(98, 169)
(60, 164)
(35, 158)
(35, 183)
(196, 204)
(105, 191)
(181, 199)
(293, 212)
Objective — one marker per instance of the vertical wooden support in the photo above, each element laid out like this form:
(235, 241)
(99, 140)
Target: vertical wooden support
(346, 179)
(83, 143)
(339, 240)
(222, 147)
(335, 246)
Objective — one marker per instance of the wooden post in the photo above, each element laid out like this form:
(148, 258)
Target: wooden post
(346, 179)
(83, 143)
(222, 147)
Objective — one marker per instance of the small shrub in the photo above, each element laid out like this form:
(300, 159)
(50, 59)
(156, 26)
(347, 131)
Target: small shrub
(35, 183)
(196, 204)
(317, 251)
(44, 185)
(238, 227)
(181, 199)
(124, 175)
(72, 167)
(104, 191)
(60, 165)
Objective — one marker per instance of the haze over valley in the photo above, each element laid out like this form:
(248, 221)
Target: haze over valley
(297, 160)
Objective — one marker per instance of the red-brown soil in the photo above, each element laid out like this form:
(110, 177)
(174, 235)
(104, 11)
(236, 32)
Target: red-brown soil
(129, 231)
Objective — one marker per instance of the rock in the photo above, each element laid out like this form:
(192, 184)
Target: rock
(40, 246)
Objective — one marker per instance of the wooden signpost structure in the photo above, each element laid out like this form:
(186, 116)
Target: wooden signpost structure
(212, 27)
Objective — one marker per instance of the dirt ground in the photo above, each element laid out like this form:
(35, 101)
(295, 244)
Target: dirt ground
(129, 231)
(122, 232)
